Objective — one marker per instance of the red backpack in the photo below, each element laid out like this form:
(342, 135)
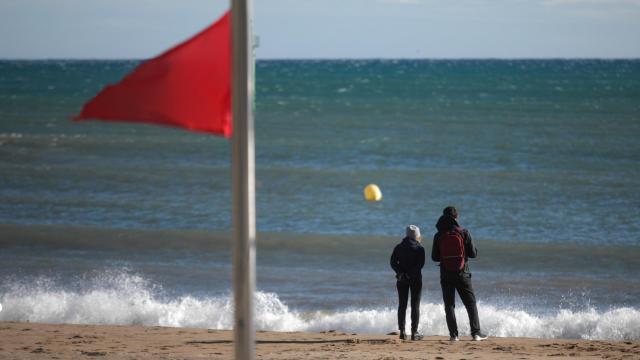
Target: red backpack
(452, 250)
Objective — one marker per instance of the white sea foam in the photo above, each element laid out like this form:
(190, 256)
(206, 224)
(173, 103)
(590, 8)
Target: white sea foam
(126, 299)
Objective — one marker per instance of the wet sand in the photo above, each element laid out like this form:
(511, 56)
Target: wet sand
(55, 341)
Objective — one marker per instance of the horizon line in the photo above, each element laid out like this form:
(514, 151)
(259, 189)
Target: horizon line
(335, 58)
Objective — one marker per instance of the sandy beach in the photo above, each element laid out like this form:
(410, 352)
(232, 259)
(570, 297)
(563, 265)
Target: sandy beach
(55, 341)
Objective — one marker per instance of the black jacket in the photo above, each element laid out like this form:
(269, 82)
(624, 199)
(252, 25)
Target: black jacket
(408, 258)
(447, 223)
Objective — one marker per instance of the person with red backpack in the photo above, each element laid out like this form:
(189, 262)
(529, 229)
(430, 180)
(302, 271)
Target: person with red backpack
(452, 247)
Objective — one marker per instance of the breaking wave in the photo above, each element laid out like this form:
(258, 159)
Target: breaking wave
(126, 299)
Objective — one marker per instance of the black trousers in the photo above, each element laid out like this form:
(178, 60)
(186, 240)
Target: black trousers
(415, 287)
(452, 282)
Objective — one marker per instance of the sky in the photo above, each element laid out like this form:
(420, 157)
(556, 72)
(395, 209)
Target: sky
(319, 29)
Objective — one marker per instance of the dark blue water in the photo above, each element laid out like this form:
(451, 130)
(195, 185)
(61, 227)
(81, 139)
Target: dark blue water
(540, 157)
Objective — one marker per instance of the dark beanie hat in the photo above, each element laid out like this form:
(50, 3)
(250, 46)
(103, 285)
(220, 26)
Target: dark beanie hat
(450, 211)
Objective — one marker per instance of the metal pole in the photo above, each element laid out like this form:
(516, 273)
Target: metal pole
(243, 179)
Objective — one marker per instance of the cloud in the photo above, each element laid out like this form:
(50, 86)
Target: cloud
(401, 2)
(592, 2)
(601, 10)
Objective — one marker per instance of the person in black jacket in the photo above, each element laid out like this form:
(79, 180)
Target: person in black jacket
(452, 281)
(407, 261)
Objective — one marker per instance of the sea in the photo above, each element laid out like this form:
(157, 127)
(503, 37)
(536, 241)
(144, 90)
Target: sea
(129, 224)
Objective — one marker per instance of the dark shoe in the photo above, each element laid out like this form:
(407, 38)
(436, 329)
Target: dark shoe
(403, 336)
(480, 337)
(416, 336)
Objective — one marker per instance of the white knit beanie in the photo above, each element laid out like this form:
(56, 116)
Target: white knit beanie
(413, 232)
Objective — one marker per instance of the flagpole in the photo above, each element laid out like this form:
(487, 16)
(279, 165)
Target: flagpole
(243, 180)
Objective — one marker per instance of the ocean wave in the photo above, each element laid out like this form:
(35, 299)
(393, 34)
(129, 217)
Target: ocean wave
(126, 299)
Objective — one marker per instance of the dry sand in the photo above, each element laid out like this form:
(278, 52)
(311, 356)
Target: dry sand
(52, 341)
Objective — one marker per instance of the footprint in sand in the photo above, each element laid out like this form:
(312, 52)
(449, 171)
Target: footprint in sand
(94, 353)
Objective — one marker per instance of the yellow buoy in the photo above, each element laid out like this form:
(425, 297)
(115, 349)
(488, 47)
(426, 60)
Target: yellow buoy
(372, 193)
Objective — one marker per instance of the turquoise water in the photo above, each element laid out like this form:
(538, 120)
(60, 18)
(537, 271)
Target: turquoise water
(528, 150)
(541, 158)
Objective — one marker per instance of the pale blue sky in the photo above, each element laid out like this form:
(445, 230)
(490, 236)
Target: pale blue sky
(329, 28)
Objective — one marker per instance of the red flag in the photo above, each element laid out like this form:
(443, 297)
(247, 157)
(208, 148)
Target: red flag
(188, 86)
